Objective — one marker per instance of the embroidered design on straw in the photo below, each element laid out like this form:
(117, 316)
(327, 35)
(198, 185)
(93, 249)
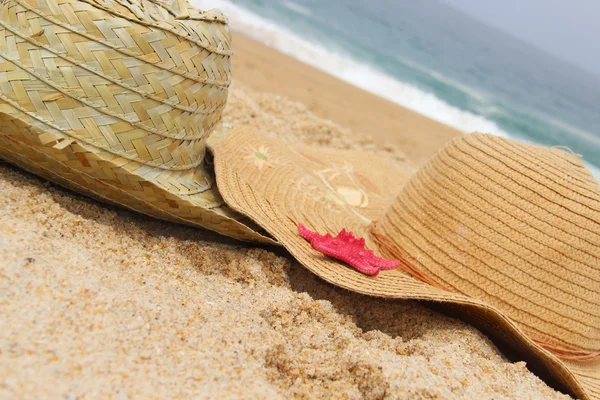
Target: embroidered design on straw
(348, 248)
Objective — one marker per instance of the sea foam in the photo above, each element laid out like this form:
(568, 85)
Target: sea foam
(342, 66)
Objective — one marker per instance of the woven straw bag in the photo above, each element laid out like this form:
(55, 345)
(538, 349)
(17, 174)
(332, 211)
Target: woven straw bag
(115, 99)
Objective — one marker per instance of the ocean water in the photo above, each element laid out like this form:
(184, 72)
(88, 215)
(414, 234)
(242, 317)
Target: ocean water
(437, 61)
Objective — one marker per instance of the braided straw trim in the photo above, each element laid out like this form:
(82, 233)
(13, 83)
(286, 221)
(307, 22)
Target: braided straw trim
(108, 149)
(103, 110)
(178, 9)
(118, 82)
(210, 48)
(123, 50)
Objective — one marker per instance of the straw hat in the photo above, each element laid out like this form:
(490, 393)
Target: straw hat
(502, 234)
(115, 99)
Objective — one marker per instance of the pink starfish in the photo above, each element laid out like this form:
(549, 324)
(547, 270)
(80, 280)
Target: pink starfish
(348, 248)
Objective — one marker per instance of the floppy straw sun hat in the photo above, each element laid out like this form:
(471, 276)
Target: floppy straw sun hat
(502, 234)
(115, 99)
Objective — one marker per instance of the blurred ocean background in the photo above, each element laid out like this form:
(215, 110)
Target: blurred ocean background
(437, 61)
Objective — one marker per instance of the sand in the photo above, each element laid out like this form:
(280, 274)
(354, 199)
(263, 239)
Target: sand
(100, 302)
(265, 70)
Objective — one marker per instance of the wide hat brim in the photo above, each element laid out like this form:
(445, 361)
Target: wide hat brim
(278, 186)
(123, 116)
(126, 183)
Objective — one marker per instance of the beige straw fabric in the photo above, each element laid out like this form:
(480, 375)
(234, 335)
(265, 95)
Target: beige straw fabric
(507, 223)
(115, 99)
(279, 186)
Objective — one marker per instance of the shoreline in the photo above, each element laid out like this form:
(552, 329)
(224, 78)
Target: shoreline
(267, 70)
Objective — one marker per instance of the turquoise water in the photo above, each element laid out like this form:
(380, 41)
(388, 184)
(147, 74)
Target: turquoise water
(440, 62)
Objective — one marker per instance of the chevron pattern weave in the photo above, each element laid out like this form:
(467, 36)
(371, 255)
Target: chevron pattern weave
(123, 93)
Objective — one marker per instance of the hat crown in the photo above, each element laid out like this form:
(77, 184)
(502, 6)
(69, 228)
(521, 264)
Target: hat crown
(117, 78)
(514, 225)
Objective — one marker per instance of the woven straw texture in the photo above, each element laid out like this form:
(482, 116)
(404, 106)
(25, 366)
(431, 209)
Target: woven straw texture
(515, 225)
(115, 99)
(279, 186)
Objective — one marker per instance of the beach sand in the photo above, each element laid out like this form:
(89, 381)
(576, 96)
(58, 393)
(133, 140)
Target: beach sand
(265, 70)
(100, 302)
